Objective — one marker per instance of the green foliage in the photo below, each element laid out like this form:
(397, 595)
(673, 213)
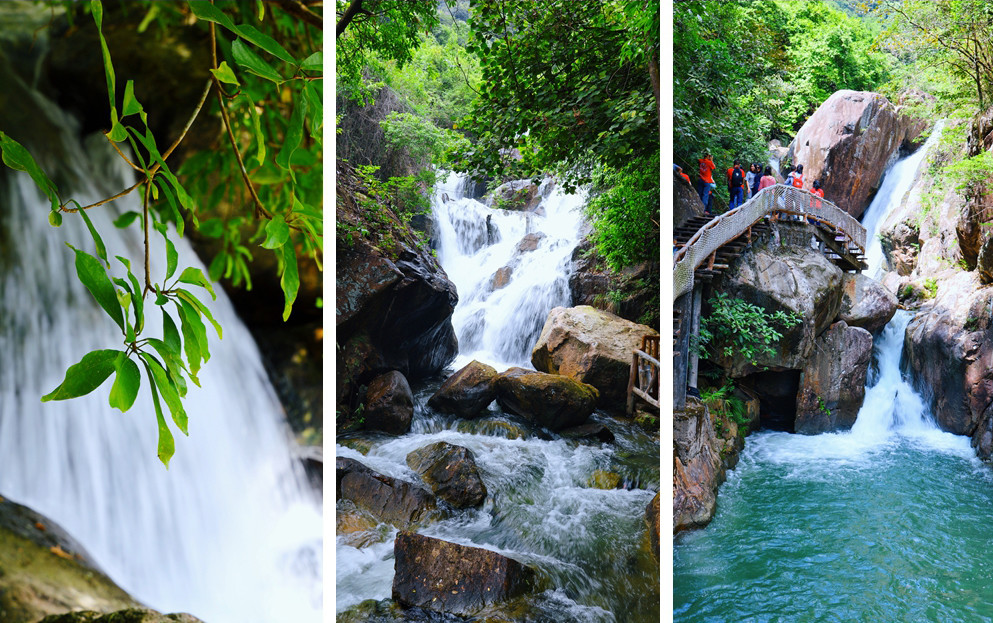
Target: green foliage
(931, 287)
(723, 402)
(624, 211)
(274, 100)
(737, 328)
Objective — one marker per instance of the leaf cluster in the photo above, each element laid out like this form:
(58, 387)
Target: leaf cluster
(736, 328)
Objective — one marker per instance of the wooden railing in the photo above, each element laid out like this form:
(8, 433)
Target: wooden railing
(728, 226)
(645, 381)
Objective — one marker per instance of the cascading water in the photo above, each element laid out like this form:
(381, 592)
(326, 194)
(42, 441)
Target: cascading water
(541, 508)
(230, 532)
(882, 522)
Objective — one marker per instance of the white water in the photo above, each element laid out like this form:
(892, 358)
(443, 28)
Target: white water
(230, 532)
(500, 326)
(892, 193)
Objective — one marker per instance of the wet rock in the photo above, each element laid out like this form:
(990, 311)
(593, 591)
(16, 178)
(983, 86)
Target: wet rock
(44, 571)
(501, 278)
(697, 468)
(653, 517)
(392, 501)
(866, 303)
(530, 242)
(591, 346)
(389, 404)
(451, 473)
(602, 479)
(833, 384)
(467, 393)
(131, 615)
(984, 263)
(447, 577)
(517, 195)
(550, 400)
(591, 431)
(848, 143)
(792, 280)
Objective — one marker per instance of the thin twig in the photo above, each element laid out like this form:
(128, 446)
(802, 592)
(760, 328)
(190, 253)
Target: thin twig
(193, 117)
(144, 209)
(107, 200)
(121, 154)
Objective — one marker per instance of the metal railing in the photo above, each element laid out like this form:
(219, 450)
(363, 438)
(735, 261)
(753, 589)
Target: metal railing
(728, 226)
(645, 381)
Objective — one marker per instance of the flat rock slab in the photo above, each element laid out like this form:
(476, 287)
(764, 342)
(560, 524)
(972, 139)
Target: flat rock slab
(447, 577)
(451, 473)
(467, 393)
(390, 500)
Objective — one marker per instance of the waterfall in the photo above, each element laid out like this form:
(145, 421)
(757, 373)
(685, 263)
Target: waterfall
(505, 289)
(230, 532)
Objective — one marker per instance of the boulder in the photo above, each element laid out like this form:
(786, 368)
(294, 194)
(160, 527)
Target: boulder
(790, 279)
(550, 400)
(448, 577)
(591, 346)
(517, 195)
(389, 404)
(589, 280)
(44, 571)
(530, 242)
(832, 386)
(392, 501)
(131, 615)
(591, 431)
(686, 202)
(949, 347)
(697, 470)
(501, 278)
(848, 143)
(466, 393)
(866, 303)
(451, 473)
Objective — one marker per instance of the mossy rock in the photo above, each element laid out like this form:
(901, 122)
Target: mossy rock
(602, 479)
(130, 615)
(553, 401)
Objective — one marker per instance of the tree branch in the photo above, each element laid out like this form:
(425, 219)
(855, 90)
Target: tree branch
(350, 13)
(298, 10)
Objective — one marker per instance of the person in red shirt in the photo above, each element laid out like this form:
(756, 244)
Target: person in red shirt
(678, 169)
(818, 191)
(706, 185)
(737, 185)
(767, 179)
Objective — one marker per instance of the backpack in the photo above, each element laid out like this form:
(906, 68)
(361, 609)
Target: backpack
(798, 180)
(736, 178)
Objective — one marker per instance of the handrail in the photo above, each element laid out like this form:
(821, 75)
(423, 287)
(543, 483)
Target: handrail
(645, 380)
(728, 226)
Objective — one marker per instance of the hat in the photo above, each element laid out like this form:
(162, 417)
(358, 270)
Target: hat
(676, 167)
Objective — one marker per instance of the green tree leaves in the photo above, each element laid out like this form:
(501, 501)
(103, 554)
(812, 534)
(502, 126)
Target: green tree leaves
(83, 377)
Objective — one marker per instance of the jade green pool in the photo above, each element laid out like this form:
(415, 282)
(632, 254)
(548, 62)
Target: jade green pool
(840, 527)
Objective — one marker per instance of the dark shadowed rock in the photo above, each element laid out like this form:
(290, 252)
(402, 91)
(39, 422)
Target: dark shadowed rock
(866, 303)
(833, 384)
(591, 431)
(549, 400)
(389, 404)
(388, 499)
(451, 473)
(447, 577)
(686, 202)
(653, 517)
(466, 393)
(131, 615)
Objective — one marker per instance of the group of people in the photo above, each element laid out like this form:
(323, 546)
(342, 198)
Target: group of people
(742, 185)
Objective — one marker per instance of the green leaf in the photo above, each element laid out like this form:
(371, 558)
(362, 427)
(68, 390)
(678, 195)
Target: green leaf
(314, 62)
(204, 10)
(101, 249)
(260, 6)
(126, 383)
(264, 41)
(253, 63)
(216, 268)
(170, 334)
(17, 158)
(194, 276)
(83, 377)
(167, 446)
(192, 300)
(290, 279)
(55, 218)
(172, 258)
(126, 219)
(138, 300)
(96, 7)
(257, 126)
(277, 232)
(225, 74)
(294, 133)
(169, 394)
(131, 105)
(173, 364)
(94, 277)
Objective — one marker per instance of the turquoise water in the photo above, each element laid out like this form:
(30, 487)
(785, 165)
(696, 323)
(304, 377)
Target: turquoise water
(833, 528)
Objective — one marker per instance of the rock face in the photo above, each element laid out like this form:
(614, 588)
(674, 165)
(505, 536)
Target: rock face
(451, 473)
(447, 577)
(393, 501)
(696, 467)
(832, 387)
(389, 404)
(466, 393)
(866, 303)
(44, 571)
(793, 280)
(591, 346)
(686, 202)
(848, 143)
(550, 400)
(518, 195)
(530, 242)
(653, 517)
(131, 615)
